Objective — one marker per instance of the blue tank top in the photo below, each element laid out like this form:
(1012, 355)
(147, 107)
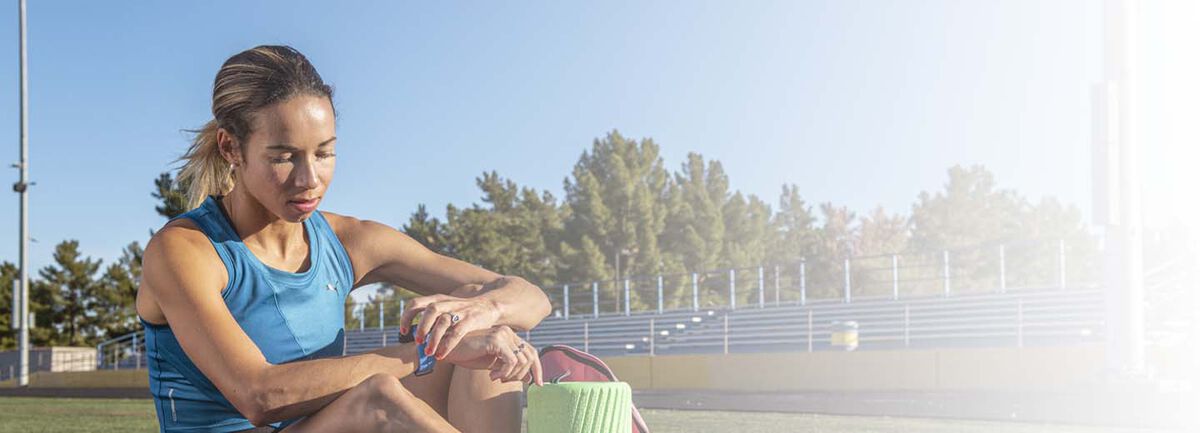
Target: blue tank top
(290, 316)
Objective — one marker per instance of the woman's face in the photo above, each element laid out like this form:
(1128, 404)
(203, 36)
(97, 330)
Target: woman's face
(288, 159)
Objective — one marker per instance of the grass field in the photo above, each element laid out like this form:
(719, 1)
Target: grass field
(38, 415)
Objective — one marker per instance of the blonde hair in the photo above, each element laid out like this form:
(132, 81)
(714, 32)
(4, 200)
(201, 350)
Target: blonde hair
(246, 82)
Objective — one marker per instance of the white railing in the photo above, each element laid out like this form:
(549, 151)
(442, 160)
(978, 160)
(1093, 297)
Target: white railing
(989, 268)
(124, 352)
(1016, 318)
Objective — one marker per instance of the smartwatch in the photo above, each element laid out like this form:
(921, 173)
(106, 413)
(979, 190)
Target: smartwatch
(424, 362)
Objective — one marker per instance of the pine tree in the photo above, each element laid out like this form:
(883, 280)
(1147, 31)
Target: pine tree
(971, 219)
(747, 222)
(793, 234)
(1046, 224)
(694, 233)
(836, 239)
(880, 235)
(8, 274)
(616, 199)
(968, 212)
(517, 234)
(46, 329)
(71, 289)
(172, 194)
(696, 226)
(115, 312)
(426, 230)
(747, 225)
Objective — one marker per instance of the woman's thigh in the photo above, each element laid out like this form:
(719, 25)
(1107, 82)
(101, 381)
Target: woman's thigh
(479, 404)
(433, 388)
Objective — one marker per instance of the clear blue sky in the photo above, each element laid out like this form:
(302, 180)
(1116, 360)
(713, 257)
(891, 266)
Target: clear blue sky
(859, 103)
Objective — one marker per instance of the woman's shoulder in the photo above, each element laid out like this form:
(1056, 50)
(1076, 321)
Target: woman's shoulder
(178, 257)
(179, 233)
(181, 246)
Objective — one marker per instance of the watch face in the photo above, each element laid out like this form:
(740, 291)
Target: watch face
(412, 331)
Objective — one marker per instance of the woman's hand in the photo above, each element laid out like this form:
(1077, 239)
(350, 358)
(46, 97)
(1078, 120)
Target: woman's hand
(445, 320)
(500, 350)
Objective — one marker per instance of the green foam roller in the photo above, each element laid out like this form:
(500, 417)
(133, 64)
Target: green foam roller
(580, 407)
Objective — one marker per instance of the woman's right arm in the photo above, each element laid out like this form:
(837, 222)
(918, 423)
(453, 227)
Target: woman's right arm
(184, 277)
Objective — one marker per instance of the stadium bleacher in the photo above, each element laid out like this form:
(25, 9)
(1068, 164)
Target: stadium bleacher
(1044, 316)
(1016, 317)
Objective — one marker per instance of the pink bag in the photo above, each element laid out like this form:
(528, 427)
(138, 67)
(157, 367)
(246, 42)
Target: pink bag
(562, 363)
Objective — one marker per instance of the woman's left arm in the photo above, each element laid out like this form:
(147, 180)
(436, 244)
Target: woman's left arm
(477, 297)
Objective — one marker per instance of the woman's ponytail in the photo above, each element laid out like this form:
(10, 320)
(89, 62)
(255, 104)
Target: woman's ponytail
(205, 172)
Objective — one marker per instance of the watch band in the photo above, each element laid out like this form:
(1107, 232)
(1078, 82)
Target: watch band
(424, 362)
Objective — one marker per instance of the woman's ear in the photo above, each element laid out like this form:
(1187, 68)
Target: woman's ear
(228, 146)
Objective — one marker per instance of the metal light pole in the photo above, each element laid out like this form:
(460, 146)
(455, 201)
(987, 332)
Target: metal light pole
(1131, 336)
(1116, 183)
(21, 187)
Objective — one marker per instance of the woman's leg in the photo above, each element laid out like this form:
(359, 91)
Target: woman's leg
(471, 400)
(433, 388)
(378, 404)
(479, 404)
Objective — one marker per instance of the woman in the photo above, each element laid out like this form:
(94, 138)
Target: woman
(242, 297)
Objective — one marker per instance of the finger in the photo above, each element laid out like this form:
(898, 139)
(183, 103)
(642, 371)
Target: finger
(536, 371)
(412, 308)
(501, 342)
(454, 335)
(428, 320)
(508, 361)
(429, 316)
(522, 367)
(506, 375)
(502, 363)
(435, 335)
(406, 317)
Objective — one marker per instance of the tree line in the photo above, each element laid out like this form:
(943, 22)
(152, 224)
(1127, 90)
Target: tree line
(621, 203)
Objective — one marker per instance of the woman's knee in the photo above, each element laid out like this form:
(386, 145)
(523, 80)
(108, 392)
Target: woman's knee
(385, 387)
(384, 396)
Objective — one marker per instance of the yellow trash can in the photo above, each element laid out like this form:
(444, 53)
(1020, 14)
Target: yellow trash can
(844, 335)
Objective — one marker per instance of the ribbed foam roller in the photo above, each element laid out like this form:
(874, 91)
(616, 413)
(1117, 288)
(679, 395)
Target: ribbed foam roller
(580, 407)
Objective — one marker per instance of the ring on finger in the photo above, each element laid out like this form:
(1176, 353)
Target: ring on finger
(453, 318)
